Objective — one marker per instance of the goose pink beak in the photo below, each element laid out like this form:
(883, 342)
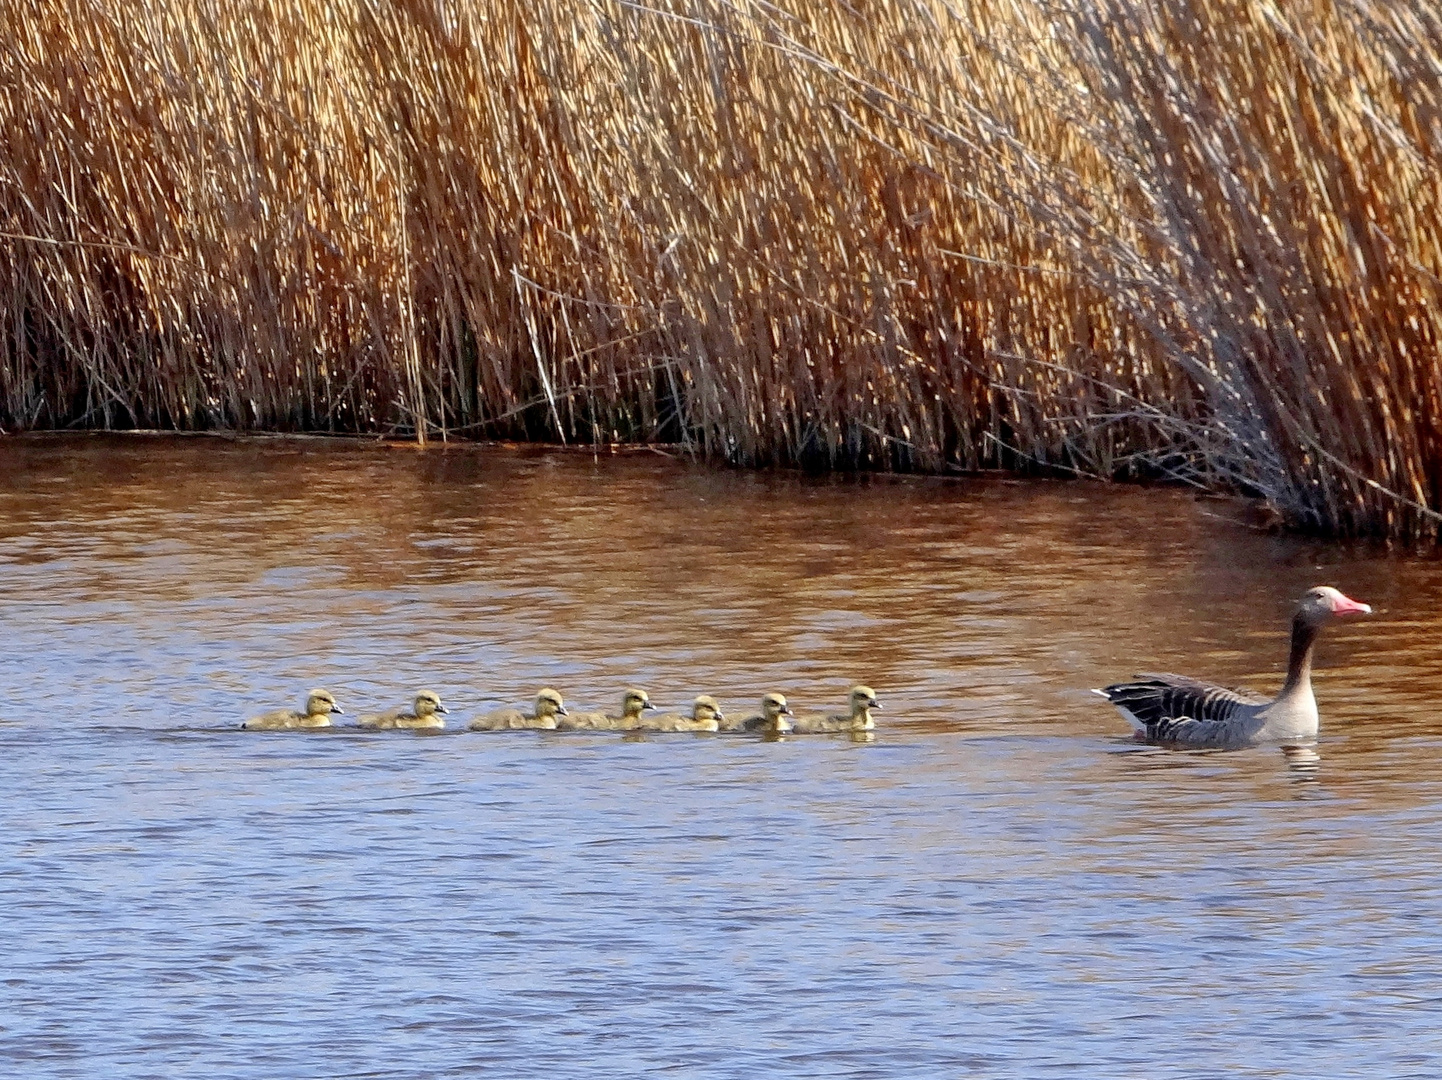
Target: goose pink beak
(1344, 605)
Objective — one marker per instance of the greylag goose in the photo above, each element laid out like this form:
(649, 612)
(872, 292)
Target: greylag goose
(863, 700)
(633, 703)
(422, 714)
(706, 715)
(319, 704)
(1175, 709)
(772, 720)
(543, 717)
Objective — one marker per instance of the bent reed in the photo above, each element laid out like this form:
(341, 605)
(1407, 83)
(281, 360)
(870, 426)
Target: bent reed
(1191, 239)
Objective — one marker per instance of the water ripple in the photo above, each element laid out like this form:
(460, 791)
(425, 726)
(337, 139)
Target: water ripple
(999, 885)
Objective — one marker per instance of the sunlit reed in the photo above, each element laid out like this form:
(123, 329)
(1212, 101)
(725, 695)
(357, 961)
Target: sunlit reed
(1190, 239)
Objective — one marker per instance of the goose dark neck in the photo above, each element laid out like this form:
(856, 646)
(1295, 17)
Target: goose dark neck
(1299, 664)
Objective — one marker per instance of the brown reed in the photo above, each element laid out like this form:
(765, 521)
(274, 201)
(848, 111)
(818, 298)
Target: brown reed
(1194, 239)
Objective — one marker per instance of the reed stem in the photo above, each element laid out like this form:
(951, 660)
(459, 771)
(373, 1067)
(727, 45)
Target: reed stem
(1197, 240)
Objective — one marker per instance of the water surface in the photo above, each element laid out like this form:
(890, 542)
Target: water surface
(999, 885)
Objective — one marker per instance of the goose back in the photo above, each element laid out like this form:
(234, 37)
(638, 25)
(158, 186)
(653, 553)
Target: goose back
(1174, 708)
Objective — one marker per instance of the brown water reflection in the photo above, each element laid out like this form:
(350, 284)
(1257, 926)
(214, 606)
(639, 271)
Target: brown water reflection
(975, 605)
(998, 884)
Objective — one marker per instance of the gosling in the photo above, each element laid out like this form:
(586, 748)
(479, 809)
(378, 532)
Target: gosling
(542, 718)
(633, 703)
(319, 704)
(863, 701)
(772, 720)
(706, 715)
(422, 715)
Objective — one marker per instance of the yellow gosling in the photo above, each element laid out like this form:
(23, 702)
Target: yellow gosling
(422, 714)
(773, 718)
(542, 718)
(863, 701)
(319, 704)
(633, 703)
(706, 715)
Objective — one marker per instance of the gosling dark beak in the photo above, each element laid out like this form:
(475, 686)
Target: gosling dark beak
(786, 711)
(337, 709)
(874, 704)
(442, 708)
(561, 711)
(646, 706)
(720, 715)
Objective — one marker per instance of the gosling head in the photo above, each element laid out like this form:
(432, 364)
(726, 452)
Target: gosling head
(706, 707)
(428, 703)
(320, 702)
(863, 700)
(773, 706)
(548, 703)
(1320, 604)
(635, 702)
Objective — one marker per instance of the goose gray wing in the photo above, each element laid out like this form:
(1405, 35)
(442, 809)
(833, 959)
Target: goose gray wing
(1174, 708)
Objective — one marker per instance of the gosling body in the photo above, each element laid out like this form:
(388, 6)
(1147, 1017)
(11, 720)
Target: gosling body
(633, 703)
(773, 719)
(423, 714)
(706, 715)
(543, 717)
(319, 704)
(862, 700)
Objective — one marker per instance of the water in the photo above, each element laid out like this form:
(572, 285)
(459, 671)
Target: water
(999, 885)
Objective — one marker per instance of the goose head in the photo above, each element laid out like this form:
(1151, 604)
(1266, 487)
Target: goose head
(320, 703)
(1320, 604)
(706, 707)
(548, 703)
(428, 703)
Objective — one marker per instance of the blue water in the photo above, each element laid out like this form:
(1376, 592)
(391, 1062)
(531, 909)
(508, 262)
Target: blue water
(998, 885)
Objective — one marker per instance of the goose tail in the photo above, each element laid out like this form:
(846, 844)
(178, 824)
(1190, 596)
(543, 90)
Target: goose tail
(1127, 715)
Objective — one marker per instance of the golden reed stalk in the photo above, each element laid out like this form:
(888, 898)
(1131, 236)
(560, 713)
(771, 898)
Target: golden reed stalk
(1195, 239)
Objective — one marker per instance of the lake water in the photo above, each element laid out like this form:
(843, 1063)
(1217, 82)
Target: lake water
(999, 885)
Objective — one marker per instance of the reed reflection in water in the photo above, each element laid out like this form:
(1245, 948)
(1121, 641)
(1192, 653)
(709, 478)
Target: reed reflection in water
(998, 884)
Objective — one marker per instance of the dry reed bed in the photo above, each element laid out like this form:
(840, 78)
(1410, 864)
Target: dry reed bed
(1189, 238)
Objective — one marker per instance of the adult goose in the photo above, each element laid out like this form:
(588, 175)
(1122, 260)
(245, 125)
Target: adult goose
(319, 704)
(422, 714)
(862, 699)
(543, 718)
(1184, 712)
(706, 715)
(633, 703)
